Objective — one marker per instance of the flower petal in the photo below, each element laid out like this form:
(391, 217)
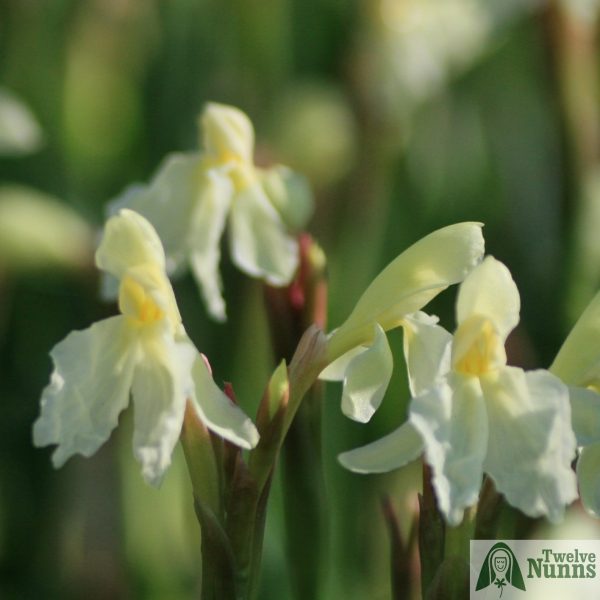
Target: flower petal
(588, 475)
(585, 415)
(489, 291)
(207, 228)
(227, 132)
(578, 360)
(168, 202)
(218, 412)
(161, 386)
(260, 245)
(453, 423)
(129, 240)
(427, 349)
(366, 379)
(390, 452)
(89, 387)
(410, 281)
(290, 194)
(336, 371)
(531, 443)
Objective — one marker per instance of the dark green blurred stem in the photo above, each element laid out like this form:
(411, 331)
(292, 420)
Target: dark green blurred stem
(431, 532)
(291, 310)
(219, 576)
(489, 511)
(451, 581)
(574, 50)
(246, 515)
(231, 496)
(304, 497)
(218, 564)
(573, 43)
(400, 553)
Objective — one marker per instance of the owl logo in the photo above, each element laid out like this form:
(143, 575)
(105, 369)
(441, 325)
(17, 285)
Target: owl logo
(500, 568)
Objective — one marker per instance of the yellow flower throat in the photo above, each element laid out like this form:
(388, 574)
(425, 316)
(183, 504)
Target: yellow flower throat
(136, 303)
(477, 348)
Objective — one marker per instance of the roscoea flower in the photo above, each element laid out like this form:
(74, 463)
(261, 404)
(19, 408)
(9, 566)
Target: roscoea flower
(194, 196)
(471, 413)
(144, 350)
(578, 365)
(358, 350)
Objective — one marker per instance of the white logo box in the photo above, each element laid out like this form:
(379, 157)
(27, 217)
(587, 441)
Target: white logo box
(535, 570)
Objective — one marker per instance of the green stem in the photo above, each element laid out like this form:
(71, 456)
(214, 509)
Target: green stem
(303, 495)
(431, 532)
(456, 543)
(291, 310)
(451, 582)
(201, 461)
(489, 511)
(218, 563)
(400, 553)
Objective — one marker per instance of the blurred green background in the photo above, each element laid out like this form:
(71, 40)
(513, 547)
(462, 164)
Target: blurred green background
(405, 115)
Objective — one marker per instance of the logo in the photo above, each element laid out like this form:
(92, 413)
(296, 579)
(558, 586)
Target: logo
(534, 569)
(500, 568)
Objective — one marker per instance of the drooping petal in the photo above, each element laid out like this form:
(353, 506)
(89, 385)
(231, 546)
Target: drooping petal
(489, 291)
(410, 281)
(578, 360)
(390, 452)
(585, 415)
(227, 133)
(218, 412)
(531, 443)
(427, 348)
(453, 423)
(260, 245)
(207, 227)
(336, 371)
(93, 371)
(366, 379)
(129, 240)
(161, 386)
(290, 194)
(588, 475)
(168, 202)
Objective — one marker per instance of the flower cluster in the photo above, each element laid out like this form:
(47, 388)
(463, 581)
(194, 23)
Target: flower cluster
(472, 413)
(194, 196)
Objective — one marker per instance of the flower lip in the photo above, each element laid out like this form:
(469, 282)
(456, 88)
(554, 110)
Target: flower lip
(135, 302)
(477, 348)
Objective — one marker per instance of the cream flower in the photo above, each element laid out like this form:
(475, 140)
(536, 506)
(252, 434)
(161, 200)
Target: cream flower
(471, 413)
(194, 196)
(146, 350)
(578, 365)
(359, 352)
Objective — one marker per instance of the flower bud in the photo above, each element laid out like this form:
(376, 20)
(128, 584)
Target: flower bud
(228, 133)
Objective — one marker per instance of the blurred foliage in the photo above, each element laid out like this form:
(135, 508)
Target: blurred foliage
(405, 116)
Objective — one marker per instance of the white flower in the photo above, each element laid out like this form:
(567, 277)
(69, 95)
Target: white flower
(471, 413)
(359, 352)
(146, 350)
(194, 196)
(578, 365)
